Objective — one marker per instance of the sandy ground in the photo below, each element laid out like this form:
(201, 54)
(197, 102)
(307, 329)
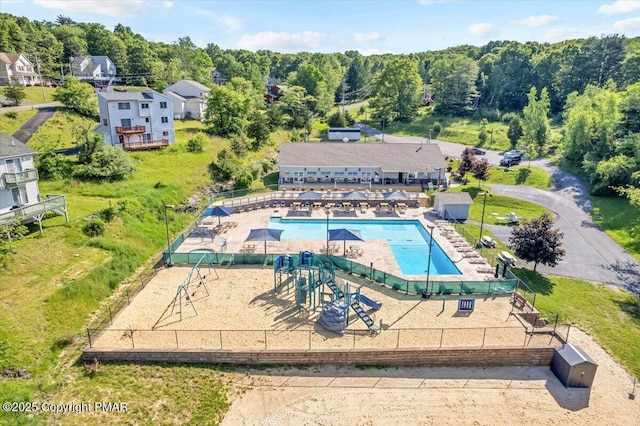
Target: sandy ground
(328, 395)
(243, 312)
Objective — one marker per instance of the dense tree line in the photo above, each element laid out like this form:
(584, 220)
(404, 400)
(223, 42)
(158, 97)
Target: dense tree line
(590, 85)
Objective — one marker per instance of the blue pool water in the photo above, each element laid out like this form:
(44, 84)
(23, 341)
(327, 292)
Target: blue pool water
(408, 240)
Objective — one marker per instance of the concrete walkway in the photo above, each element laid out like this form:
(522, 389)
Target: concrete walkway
(591, 254)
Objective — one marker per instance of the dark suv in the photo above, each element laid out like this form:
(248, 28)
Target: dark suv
(510, 160)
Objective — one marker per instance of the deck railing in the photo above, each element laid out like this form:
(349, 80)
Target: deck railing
(131, 129)
(20, 178)
(51, 203)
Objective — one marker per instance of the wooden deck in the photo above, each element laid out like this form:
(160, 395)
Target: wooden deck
(138, 146)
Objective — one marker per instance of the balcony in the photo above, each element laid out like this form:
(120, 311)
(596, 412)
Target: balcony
(20, 178)
(133, 130)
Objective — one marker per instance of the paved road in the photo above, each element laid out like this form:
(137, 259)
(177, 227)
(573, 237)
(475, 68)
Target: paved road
(449, 149)
(591, 254)
(24, 133)
(27, 106)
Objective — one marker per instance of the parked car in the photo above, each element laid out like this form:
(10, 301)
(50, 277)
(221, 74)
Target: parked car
(514, 153)
(478, 151)
(509, 161)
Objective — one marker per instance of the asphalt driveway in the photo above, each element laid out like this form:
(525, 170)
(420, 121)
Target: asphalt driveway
(24, 133)
(590, 253)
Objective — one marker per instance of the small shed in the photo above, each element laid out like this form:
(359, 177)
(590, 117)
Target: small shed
(573, 367)
(343, 133)
(452, 205)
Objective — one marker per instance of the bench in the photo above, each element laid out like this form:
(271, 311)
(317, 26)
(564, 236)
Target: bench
(518, 300)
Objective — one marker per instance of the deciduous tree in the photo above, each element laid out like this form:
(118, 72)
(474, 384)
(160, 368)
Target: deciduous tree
(535, 241)
(515, 132)
(397, 88)
(535, 122)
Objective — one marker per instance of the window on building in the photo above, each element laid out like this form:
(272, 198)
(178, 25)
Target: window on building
(125, 122)
(105, 122)
(165, 133)
(19, 196)
(124, 105)
(163, 105)
(144, 106)
(146, 119)
(164, 119)
(146, 137)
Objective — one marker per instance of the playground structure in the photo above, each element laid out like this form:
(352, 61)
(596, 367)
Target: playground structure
(187, 291)
(310, 276)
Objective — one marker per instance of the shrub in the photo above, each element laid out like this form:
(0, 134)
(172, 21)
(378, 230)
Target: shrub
(94, 228)
(106, 163)
(437, 128)
(197, 143)
(12, 115)
(108, 214)
(52, 166)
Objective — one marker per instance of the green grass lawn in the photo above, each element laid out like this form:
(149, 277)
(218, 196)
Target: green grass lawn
(34, 94)
(620, 220)
(497, 204)
(10, 125)
(58, 130)
(608, 314)
(518, 175)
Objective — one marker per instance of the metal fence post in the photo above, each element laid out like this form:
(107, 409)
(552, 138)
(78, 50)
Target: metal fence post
(89, 337)
(220, 332)
(398, 339)
(309, 340)
(265, 340)
(441, 337)
(177, 345)
(484, 335)
(354, 341)
(133, 345)
(128, 300)
(110, 316)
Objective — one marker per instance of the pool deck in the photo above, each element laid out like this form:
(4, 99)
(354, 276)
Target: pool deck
(376, 252)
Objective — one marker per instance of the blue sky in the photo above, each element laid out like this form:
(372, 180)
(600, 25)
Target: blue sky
(369, 26)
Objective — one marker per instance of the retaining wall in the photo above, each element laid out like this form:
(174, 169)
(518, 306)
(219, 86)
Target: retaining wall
(525, 356)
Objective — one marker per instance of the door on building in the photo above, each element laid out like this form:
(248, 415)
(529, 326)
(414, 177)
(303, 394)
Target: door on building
(19, 196)
(13, 165)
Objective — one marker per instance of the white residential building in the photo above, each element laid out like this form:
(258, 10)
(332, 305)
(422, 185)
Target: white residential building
(136, 120)
(98, 69)
(20, 199)
(189, 99)
(15, 67)
(19, 183)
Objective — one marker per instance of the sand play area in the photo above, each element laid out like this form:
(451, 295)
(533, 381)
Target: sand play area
(242, 312)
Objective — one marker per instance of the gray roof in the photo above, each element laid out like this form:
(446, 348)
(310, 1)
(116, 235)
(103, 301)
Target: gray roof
(454, 198)
(388, 157)
(12, 147)
(130, 96)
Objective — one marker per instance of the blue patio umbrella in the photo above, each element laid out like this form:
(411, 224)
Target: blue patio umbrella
(218, 211)
(344, 235)
(264, 234)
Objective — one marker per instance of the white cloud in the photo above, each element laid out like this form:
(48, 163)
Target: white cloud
(117, 8)
(369, 52)
(361, 37)
(555, 35)
(535, 21)
(229, 23)
(272, 40)
(619, 6)
(167, 4)
(481, 29)
(627, 25)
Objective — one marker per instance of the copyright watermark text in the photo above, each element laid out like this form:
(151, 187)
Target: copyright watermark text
(69, 407)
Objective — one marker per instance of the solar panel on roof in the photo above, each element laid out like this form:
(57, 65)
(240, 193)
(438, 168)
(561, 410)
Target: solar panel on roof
(147, 95)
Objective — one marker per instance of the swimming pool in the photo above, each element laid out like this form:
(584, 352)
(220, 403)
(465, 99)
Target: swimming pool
(408, 240)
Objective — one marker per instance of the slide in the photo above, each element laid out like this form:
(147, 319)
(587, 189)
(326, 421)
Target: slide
(370, 303)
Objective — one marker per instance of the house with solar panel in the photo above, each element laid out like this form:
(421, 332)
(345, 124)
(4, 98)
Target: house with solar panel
(136, 120)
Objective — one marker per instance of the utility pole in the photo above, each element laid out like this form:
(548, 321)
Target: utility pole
(344, 84)
(44, 96)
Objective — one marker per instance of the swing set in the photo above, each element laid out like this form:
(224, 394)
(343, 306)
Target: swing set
(188, 288)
